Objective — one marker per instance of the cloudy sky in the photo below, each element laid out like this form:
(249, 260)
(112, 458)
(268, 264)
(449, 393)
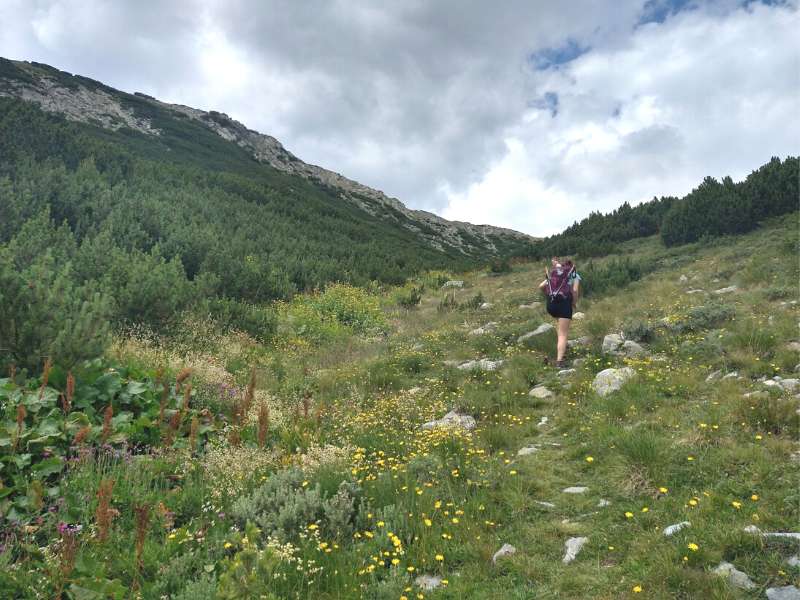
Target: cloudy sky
(524, 114)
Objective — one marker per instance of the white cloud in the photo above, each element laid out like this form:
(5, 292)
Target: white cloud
(696, 95)
(440, 103)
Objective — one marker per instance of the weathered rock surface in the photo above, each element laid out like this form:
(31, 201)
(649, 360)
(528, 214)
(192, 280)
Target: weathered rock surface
(610, 380)
(543, 328)
(505, 550)
(612, 343)
(453, 283)
(578, 316)
(572, 547)
(541, 392)
(787, 592)
(584, 340)
(483, 364)
(736, 578)
(726, 290)
(452, 419)
(673, 529)
(486, 305)
(428, 582)
(527, 450)
(488, 328)
(575, 489)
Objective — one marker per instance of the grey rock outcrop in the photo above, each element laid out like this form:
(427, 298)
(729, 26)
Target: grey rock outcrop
(505, 550)
(673, 529)
(541, 392)
(572, 547)
(726, 290)
(611, 380)
(484, 364)
(428, 582)
(543, 328)
(735, 577)
(787, 592)
(452, 419)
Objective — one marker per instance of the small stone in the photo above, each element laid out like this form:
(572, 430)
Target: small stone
(694, 291)
(790, 385)
(713, 376)
(794, 561)
(505, 550)
(683, 279)
(486, 305)
(428, 582)
(483, 364)
(452, 419)
(612, 343)
(783, 534)
(578, 316)
(527, 451)
(542, 421)
(572, 547)
(415, 390)
(565, 373)
(453, 284)
(603, 503)
(488, 328)
(726, 290)
(543, 503)
(576, 489)
(611, 380)
(752, 529)
(755, 394)
(787, 592)
(735, 577)
(541, 392)
(543, 328)
(584, 340)
(731, 375)
(632, 349)
(794, 346)
(578, 362)
(673, 529)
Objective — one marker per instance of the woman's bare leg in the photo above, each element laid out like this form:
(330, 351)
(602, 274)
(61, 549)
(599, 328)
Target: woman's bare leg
(563, 335)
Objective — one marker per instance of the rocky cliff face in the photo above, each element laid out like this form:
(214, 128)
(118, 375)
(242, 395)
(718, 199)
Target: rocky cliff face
(84, 100)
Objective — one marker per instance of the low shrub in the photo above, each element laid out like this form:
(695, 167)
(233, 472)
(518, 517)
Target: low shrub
(638, 330)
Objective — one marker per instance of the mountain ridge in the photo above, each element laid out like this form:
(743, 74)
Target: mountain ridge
(85, 100)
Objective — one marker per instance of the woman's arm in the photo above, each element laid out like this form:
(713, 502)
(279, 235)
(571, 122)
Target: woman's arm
(542, 287)
(576, 292)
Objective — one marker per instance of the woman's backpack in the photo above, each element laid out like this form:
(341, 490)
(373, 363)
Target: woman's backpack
(558, 284)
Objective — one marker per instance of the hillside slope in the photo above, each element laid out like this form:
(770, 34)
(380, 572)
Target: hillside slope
(355, 465)
(153, 123)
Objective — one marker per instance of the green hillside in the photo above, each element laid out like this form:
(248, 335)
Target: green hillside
(301, 468)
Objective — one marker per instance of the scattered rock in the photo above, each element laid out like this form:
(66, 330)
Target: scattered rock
(673, 529)
(543, 328)
(713, 376)
(505, 550)
(783, 534)
(541, 392)
(530, 306)
(415, 390)
(453, 284)
(584, 340)
(576, 489)
(632, 349)
(752, 529)
(612, 343)
(610, 380)
(578, 316)
(483, 364)
(683, 279)
(486, 305)
(488, 328)
(758, 394)
(527, 451)
(543, 503)
(572, 547)
(603, 503)
(578, 362)
(428, 582)
(451, 363)
(794, 346)
(790, 385)
(726, 290)
(735, 577)
(565, 373)
(731, 375)
(695, 291)
(452, 419)
(794, 561)
(787, 592)
(542, 421)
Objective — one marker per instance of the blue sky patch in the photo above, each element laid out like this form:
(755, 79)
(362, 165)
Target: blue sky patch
(547, 102)
(554, 57)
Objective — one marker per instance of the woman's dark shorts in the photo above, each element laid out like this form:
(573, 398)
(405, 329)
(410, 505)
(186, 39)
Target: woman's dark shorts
(560, 308)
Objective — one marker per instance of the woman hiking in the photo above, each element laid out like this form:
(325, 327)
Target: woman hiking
(562, 288)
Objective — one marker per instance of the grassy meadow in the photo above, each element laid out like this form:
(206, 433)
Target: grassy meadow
(210, 465)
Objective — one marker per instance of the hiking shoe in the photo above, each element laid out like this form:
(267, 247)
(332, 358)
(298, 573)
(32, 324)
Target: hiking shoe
(561, 364)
